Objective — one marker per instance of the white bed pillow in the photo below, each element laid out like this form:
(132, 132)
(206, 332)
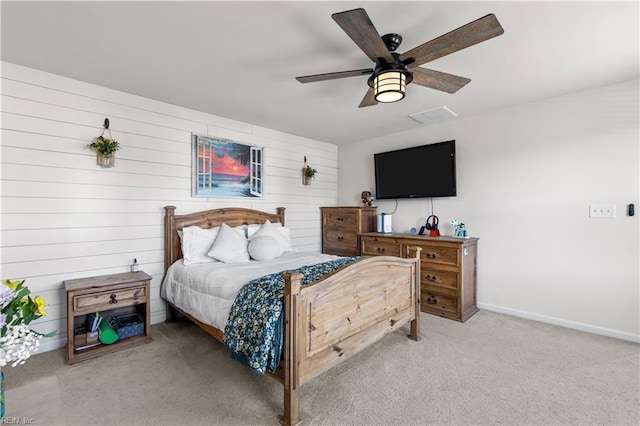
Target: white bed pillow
(230, 245)
(286, 233)
(275, 230)
(242, 229)
(264, 248)
(253, 228)
(196, 242)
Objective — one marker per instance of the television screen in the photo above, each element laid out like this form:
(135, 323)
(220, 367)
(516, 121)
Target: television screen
(417, 172)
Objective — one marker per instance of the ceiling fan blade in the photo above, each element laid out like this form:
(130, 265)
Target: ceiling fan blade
(438, 80)
(369, 99)
(467, 35)
(358, 26)
(334, 75)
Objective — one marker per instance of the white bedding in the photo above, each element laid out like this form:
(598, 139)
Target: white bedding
(207, 290)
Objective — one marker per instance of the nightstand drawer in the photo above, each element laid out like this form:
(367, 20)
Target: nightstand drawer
(435, 278)
(440, 255)
(110, 299)
(373, 247)
(437, 303)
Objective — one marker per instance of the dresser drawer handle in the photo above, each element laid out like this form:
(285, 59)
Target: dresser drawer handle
(137, 294)
(381, 249)
(340, 238)
(432, 300)
(113, 300)
(339, 219)
(430, 277)
(431, 255)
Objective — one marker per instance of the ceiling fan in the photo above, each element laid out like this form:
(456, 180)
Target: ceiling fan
(393, 71)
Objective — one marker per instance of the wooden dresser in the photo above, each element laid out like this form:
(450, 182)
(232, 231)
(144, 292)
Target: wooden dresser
(341, 226)
(447, 268)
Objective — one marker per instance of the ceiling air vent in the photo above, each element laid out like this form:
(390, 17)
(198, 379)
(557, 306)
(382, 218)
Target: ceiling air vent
(437, 114)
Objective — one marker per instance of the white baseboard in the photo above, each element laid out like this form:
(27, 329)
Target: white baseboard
(51, 343)
(562, 323)
(158, 317)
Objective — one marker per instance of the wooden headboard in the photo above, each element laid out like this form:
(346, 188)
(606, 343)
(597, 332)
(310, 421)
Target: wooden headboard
(208, 219)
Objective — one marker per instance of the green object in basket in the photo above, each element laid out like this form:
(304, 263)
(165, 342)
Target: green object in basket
(107, 334)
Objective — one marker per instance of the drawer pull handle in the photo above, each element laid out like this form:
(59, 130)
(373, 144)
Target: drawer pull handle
(432, 300)
(337, 349)
(113, 300)
(339, 219)
(137, 293)
(431, 255)
(381, 249)
(431, 277)
(340, 238)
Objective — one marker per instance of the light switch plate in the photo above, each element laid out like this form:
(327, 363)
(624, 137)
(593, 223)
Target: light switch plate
(602, 210)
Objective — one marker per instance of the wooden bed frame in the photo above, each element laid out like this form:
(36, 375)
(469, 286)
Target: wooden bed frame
(325, 322)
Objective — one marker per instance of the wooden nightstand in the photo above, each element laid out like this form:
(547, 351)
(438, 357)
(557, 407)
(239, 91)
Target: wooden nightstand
(110, 295)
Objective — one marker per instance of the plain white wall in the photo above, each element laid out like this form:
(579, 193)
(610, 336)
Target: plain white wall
(64, 217)
(526, 176)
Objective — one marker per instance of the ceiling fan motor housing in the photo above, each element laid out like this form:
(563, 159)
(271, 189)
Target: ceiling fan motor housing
(392, 41)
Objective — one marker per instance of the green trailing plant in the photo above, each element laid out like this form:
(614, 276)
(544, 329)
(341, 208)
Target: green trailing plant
(105, 146)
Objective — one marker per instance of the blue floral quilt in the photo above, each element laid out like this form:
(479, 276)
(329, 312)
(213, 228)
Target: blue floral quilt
(254, 330)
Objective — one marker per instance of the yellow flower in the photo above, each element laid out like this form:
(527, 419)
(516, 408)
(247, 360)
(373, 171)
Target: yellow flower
(40, 302)
(12, 284)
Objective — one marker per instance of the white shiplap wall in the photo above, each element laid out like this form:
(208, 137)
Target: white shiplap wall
(64, 217)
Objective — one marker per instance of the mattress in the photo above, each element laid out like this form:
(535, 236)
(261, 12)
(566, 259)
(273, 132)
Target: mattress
(206, 291)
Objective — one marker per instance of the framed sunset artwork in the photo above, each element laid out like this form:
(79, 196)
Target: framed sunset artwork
(225, 168)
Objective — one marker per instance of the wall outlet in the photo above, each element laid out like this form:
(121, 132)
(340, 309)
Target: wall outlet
(602, 210)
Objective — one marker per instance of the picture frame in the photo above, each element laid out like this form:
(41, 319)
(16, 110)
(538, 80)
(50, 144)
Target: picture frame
(223, 168)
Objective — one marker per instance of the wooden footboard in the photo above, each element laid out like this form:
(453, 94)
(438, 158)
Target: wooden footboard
(328, 321)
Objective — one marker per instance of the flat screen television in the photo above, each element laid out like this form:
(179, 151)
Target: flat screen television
(418, 172)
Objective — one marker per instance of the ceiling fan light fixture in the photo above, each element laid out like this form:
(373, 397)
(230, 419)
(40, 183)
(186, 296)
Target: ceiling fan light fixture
(389, 86)
(390, 76)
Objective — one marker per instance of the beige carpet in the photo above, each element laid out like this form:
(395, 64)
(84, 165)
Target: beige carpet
(493, 369)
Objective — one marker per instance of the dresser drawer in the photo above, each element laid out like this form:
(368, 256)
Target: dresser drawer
(374, 247)
(342, 238)
(440, 255)
(341, 219)
(437, 303)
(431, 278)
(340, 249)
(109, 299)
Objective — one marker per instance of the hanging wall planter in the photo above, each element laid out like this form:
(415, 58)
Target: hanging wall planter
(308, 173)
(105, 147)
(106, 160)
